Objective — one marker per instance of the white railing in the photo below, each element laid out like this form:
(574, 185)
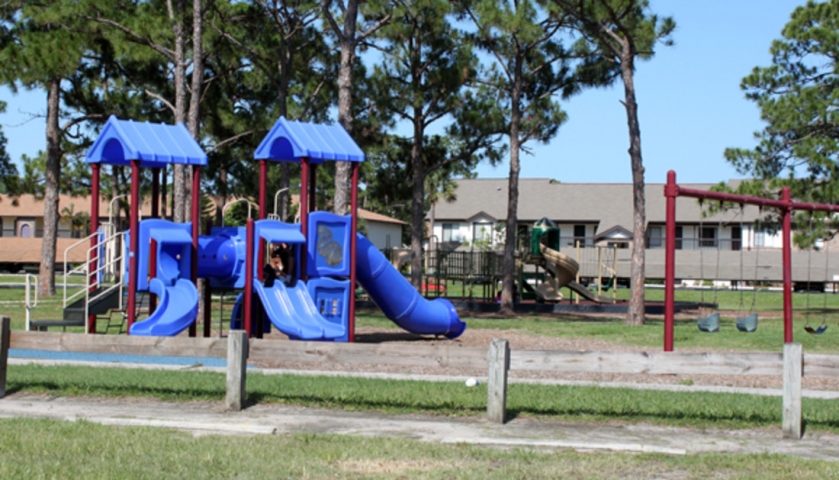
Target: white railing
(81, 269)
(28, 299)
(108, 262)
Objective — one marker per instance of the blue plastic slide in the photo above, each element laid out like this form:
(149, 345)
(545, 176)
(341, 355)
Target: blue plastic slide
(293, 312)
(177, 308)
(399, 300)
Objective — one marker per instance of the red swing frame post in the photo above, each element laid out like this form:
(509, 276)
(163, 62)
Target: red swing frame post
(786, 207)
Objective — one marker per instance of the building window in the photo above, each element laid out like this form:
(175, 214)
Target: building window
(760, 238)
(654, 240)
(708, 236)
(580, 234)
(482, 232)
(678, 238)
(450, 232)
(736, 238)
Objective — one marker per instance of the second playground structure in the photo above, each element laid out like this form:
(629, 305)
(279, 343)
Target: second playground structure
(316, 302)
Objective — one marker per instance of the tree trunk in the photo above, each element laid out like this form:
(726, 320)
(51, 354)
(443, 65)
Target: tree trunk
(176, 18)
(284, 66)
(194, 118)
(46, 273)
(507, 291)
(635, 313)
(417, 200)
(345, 118)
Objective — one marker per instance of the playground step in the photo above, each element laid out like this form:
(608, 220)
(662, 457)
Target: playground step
(75, 311)
(42, 325)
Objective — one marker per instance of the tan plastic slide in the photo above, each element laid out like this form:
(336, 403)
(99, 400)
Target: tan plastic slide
(563, 270)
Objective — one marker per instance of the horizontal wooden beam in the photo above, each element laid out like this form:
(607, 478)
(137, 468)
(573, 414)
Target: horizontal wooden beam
(276, 353)
(120, 344)
(648, 363)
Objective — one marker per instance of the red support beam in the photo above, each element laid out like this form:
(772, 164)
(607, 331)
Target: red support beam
(353, 242)
(263, 189)
(248, 301)
(787, 263)
(155, 213)
(208, 299)
(304, 211)
(313, 180)
(670, 192)
(196, 229)
(133, 244)
(93, 259)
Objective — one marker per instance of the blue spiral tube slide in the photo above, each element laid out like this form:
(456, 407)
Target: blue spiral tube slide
(399, 300)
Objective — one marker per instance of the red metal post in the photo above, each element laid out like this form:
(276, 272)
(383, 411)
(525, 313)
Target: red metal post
(155, 213)
(263, 209)
(263, 189)
(248, 301)
(787, 263)
(196, 229)
(313, 180)
(304, 211)
(208, 299)
(93, 260)
(353, 242)
(133, 244)
(671, 191)
(155, 193)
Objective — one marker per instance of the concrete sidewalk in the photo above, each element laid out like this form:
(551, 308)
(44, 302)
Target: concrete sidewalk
(211, 418)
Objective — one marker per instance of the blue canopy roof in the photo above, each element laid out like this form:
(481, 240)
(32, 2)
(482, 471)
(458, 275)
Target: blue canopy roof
(290, 141)
(154, 144)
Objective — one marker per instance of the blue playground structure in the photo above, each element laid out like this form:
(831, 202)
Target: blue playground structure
(165, 258)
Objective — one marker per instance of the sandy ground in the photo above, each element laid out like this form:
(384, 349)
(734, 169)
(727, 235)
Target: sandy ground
(522, 340)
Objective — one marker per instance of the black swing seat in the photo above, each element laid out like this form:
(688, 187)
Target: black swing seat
(709, 323)
(815, 331)
(748, 323)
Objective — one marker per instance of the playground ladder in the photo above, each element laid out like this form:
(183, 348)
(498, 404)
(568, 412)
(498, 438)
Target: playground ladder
(108, 264)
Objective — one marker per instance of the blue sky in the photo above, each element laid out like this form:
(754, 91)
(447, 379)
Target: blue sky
(690, 103)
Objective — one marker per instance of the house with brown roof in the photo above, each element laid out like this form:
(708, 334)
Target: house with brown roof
(727, 244)
(22, 228)
(22, 220)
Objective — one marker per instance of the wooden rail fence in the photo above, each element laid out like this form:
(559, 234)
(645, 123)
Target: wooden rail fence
(792, 364)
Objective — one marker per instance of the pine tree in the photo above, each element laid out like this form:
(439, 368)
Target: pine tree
(797, 96)
(531, 66)
(620, 32)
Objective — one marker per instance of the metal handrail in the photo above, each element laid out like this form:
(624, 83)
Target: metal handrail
(275, 201)
(79, 269)
(226, 205)
(92, 278)
(117, 285)
(27, 302)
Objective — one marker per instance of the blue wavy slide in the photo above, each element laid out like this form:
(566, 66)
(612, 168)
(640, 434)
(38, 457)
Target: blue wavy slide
(399, 300)
(177, 307)
(293, 312)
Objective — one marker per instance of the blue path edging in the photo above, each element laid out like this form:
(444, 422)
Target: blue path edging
(116, 358)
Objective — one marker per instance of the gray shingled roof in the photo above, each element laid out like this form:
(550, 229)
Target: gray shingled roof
(608, 204)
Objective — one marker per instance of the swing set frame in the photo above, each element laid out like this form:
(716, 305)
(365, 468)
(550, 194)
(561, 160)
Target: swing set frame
(785, 205)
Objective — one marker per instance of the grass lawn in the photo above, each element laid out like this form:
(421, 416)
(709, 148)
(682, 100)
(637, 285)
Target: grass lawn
(694, 409)
(51, 449)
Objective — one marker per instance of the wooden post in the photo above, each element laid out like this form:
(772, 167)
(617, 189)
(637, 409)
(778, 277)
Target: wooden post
(499, 363)
(599, 269)
(237, 364)
(615, 271)
(577, 279)
(793, 366)
(4, 352)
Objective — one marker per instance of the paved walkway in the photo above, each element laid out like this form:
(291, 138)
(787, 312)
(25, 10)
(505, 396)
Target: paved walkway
(209, 418)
